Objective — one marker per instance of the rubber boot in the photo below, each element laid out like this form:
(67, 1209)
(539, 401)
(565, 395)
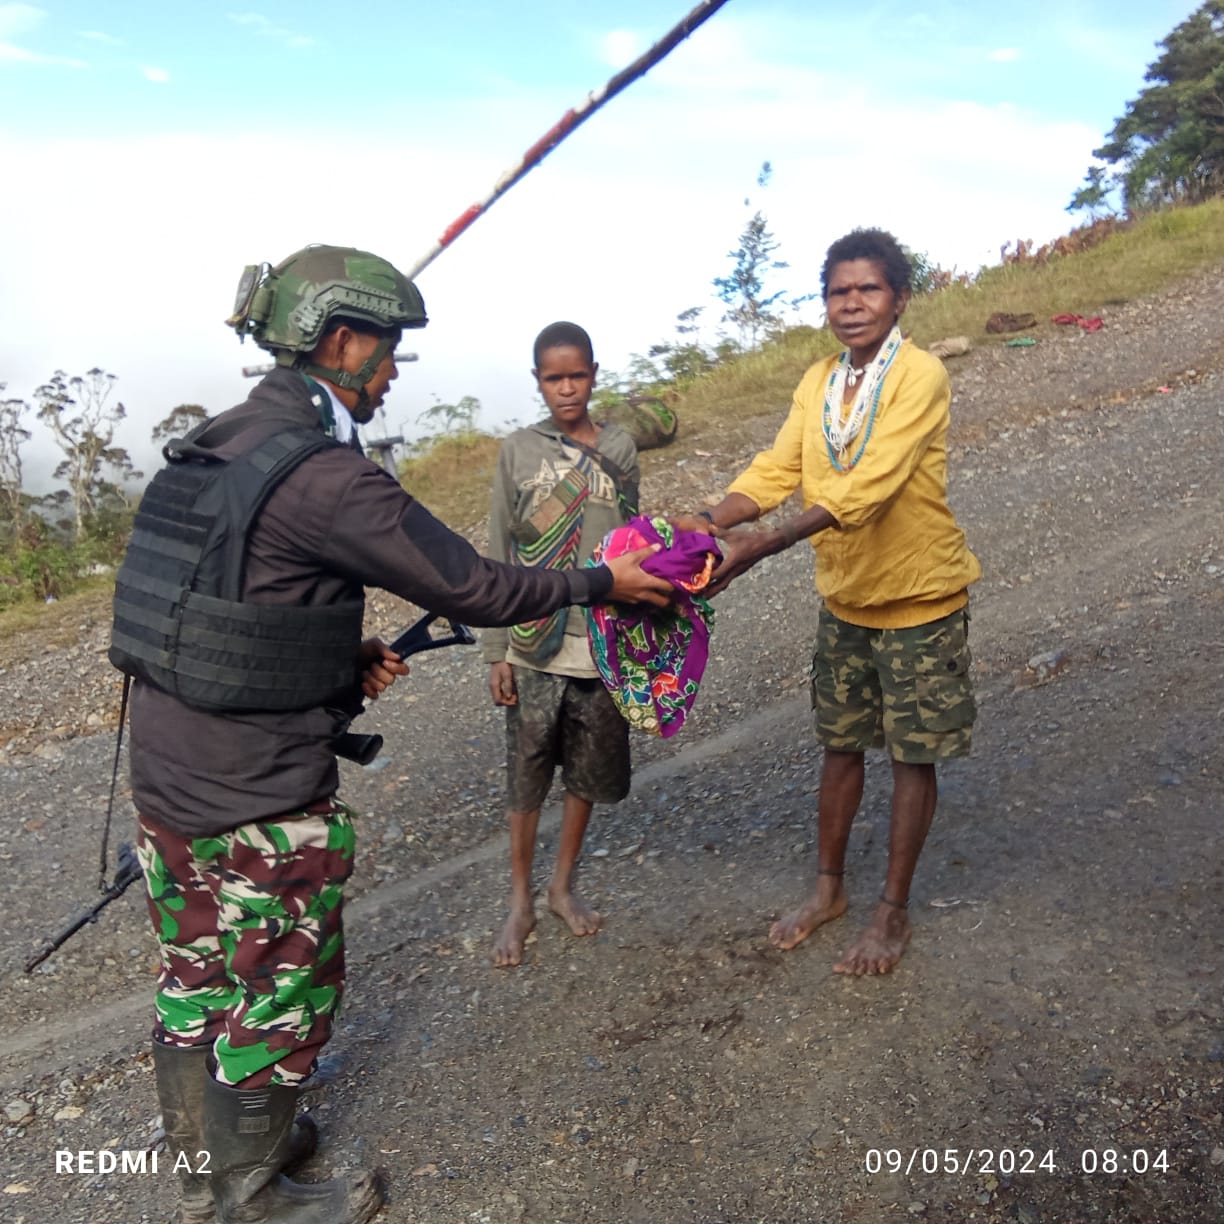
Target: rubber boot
(247, 1133)
(181, 1073)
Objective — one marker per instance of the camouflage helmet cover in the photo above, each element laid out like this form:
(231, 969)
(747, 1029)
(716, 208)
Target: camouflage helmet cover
(287, 308)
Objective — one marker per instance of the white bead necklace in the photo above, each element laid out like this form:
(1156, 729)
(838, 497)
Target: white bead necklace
(841, 429)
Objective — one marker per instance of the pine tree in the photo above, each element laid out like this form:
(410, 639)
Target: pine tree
(749, 307)
(1169, 145)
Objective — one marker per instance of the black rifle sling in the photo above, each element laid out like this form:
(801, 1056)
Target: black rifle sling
(110, 798)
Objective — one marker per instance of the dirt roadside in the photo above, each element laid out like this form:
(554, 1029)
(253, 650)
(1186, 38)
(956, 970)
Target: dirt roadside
(1064, 995)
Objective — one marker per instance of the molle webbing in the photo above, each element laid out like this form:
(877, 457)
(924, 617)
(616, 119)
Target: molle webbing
(179, 622)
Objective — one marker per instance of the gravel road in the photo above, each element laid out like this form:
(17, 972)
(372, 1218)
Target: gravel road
(1064, 994)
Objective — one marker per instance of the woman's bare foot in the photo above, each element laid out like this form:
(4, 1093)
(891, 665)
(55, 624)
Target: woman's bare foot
(880, 946)
(508, 949)
(573, 911)
(794, 927)
(825, 904)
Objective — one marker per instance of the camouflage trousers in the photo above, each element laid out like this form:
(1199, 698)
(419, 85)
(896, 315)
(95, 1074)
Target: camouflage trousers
(907, 689)
(250, 929)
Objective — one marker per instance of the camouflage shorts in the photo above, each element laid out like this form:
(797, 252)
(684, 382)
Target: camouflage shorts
(909, 689)
(566, 721)
(252, 941)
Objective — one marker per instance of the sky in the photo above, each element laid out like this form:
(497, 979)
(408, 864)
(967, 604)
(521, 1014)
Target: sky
(149, 151)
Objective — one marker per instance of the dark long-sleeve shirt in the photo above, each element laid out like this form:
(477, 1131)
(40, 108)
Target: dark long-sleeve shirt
(336, 524)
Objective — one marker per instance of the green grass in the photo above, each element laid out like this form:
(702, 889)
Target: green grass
(1147, 257)
(454, 477)
(59, 623)
(1153, 253)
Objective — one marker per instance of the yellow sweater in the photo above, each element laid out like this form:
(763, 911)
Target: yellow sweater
(898, 558)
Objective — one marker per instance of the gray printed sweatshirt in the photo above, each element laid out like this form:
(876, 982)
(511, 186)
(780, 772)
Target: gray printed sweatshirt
(531, 462)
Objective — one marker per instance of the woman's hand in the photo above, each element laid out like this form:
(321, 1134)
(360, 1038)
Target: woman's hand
(379, 667)
(501, 685)
(695, 522)
(741, 550)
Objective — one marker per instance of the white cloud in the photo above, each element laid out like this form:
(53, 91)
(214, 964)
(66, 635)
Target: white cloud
(1004, 55)
(11, 54)
(159, 76)
(99, 36)
(620, 47)
(269, 29)
(19, 19)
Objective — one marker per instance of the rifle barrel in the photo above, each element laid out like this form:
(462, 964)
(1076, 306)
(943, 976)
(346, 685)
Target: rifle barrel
(84, 919)
(128, 873)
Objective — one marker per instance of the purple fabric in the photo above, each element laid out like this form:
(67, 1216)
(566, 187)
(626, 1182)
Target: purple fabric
(652, 662)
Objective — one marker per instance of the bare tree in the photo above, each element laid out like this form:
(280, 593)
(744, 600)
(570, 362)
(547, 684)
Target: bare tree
(13, 436)
(82, 418)
(179, 421)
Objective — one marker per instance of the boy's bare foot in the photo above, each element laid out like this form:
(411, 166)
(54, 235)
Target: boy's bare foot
(880, 946)
(508, 949)
(574, 912)
(825, 904)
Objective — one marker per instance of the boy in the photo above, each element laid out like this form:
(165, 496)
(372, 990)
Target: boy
(560, 487)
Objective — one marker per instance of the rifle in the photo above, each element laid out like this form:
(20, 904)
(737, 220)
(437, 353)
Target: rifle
(127, 873)
(360, 748)
(414, 640)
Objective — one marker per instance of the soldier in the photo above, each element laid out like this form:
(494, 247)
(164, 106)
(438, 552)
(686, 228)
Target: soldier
(238, 611)
(866, 441)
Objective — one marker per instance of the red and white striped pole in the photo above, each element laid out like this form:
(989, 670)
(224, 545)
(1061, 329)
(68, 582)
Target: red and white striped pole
(565, 125)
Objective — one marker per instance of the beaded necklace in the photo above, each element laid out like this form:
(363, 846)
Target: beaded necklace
(840, 430)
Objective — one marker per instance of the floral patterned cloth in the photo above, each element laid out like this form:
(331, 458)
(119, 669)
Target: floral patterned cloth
(651, 662)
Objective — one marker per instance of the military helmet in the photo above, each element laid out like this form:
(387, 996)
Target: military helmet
(287, 308)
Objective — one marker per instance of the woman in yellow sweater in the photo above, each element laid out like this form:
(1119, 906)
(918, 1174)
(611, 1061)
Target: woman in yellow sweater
(866, 442)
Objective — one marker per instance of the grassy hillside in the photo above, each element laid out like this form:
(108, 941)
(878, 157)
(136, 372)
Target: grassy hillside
(454, 476)
(59, 623)
(1145, 258)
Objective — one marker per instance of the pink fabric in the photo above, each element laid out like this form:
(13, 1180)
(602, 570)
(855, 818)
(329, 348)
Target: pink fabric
(652, 662)
(1093, 324)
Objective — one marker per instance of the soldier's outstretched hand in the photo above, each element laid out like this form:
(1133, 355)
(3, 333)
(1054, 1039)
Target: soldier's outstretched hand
(632, 584)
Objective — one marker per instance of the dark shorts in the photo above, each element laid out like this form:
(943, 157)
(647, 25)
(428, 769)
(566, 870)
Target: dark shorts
(907, 689)
(560, 720)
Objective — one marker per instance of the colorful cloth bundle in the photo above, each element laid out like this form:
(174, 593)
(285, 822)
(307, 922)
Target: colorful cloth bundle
(652, 661)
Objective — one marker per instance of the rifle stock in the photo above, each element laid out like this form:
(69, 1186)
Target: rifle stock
(416, 639)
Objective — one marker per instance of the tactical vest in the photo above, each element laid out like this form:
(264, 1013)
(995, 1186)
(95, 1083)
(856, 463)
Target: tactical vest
(179, 620)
